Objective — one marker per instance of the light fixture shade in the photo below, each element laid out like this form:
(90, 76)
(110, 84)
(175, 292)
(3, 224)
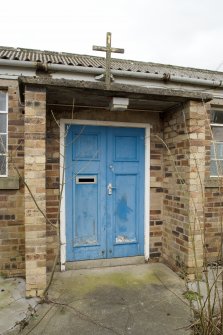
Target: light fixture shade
(118, 104)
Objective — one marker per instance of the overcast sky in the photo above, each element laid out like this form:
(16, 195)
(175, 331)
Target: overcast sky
(178, 32)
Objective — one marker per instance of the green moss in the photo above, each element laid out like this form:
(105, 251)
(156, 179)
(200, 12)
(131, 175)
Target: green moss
(85, 284)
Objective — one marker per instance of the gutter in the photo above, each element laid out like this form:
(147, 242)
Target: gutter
(165, 77)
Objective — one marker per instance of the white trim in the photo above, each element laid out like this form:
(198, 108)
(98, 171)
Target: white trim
(147, 127)
(147, 194)
(216, 125)
(62, 200)
(7, 134)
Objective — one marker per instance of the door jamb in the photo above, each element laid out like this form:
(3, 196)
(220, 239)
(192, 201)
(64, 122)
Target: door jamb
(147, 127)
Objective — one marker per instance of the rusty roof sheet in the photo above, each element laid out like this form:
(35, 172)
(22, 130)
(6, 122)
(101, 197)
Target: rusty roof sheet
(30, 55)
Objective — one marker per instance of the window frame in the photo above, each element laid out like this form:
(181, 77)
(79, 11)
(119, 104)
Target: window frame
(214, 142)
(6, 133)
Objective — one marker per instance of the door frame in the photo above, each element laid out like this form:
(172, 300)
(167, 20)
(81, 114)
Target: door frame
(147, 127)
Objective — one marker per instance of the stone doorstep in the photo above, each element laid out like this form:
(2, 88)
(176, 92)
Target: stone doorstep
(98, 263)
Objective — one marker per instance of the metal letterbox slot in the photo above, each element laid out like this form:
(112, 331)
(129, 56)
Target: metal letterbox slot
(86, 180)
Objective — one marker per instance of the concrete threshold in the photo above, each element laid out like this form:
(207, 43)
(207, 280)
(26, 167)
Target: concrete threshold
(100, 263)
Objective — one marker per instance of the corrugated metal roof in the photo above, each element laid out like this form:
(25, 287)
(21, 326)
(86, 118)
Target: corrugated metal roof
(30, 55)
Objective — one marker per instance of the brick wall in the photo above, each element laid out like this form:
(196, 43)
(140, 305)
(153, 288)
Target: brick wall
(184, 135)
(213, 223)
(12, 244)
(213, 203)
(156, 191)
(52, 187)
(35, 190)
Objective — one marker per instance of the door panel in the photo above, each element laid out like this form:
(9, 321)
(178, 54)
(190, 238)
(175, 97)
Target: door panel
(85, 183)
(124, 204)
(126, 162)
(86, 213)
(86, 146)
(102, 221)
(125, 148)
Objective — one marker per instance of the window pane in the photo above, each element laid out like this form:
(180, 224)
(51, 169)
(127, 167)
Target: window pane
(3, 119)
(2, 144)
(3, 165)
(217, 133)
(217, 117)
(217, 150)
(216, 168)
(2, 101)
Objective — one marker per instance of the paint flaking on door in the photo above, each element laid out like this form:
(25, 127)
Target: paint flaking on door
(122, 239)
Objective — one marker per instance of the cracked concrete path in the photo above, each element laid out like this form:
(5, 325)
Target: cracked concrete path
(14, 307)
(137, 299)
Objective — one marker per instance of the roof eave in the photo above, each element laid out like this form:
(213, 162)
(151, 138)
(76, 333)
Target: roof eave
(115, 88)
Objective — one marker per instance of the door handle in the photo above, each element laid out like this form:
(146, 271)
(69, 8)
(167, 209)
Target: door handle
(110, 188)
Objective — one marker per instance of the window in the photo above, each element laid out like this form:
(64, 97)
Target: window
(216, 167)
(3, 133)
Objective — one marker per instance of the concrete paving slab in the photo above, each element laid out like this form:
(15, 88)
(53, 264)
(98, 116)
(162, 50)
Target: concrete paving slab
(15, 309)
(209, 289)
(134, 299)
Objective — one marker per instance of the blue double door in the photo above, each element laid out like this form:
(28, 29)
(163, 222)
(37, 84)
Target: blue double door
(104, 192)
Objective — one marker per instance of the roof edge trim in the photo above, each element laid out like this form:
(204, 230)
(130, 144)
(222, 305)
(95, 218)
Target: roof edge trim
(165, 77)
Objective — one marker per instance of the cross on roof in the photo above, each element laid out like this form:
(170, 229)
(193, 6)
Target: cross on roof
(108, 49)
